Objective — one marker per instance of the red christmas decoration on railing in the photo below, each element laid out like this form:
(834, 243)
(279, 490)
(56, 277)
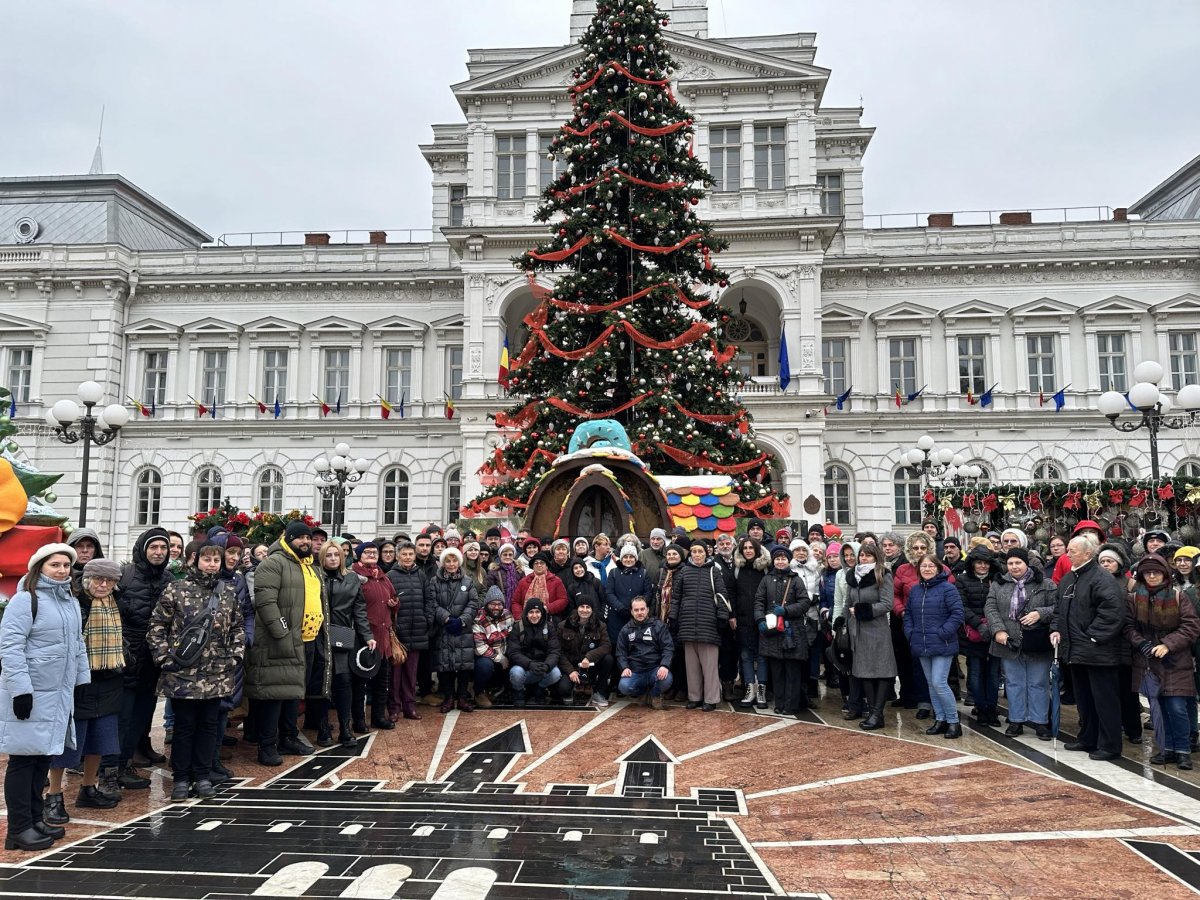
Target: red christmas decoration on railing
(1166, 492)
(989, 503)
(1034, 500)
(1138, 497)
(1116, 496)
(1072, 500)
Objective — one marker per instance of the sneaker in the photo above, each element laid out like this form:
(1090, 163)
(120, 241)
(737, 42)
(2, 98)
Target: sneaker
(1163, 757)
(269, 756)
(1043, 732)
(346, 739)
(180, 790)
(205, 789)
(293, 747)
(599, 701)
(132, 780)
(90, 797)
(108, 782)
(55, 812)
(760, 701)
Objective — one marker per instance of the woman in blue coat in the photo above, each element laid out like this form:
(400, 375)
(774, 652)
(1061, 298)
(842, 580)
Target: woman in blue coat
(44, 659)
(626, 581)
(932, 617)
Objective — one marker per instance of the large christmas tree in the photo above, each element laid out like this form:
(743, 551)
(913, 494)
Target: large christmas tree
(628, 331)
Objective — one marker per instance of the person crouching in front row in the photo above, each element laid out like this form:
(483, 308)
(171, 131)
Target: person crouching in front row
(645, 650)
(534, 653)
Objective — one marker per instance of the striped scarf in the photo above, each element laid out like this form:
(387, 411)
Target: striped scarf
(102, 636)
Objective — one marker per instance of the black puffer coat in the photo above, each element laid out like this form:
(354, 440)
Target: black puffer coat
(747, 577)
(695, 614)
(974, 592)
(453, 597)
(587, 587)
(414, 615)
(102, 696)
(138, 591)
(577, 639)
(529, 643)
(1090, 616)
(782, 587)
(348, 608)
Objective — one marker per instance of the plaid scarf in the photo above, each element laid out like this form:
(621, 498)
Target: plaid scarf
(102, 636)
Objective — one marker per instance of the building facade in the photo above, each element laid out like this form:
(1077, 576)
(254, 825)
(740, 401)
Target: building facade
(102, 281)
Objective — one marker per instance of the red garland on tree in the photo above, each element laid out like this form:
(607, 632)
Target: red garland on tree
(627, 332)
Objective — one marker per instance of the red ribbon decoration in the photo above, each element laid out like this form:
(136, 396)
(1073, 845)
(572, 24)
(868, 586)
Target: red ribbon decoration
(560, 255)
(481, 506)
(544, 294)
(1166, 492)
(1071, 501)
(524, 470)
(773, 506)
(693, 333)
(1035, 501)
(654, 185)
(1138, 497)
(699, 462)
(602, 414)
(636, 129)
(1116, 496)
(723, 356)
(649, 248)
(520, 420)
(712, 419)
(580, 88)
(989, 503)
(583, 351)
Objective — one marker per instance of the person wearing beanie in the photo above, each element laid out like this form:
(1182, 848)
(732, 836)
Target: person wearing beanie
(291, 608)
(1186, 574)
(454, 604)
(534, 651)
(530, 548)
(560, 558)
(45, 649)
(952, 555)
(581, 547)
(586, 656)
(542, 585)
(781, 605)
(1019, 607)
(87, 545)
(651, 558)
(453, 538)
(1161, 626)
(981, 571)
(626, 580)
(700, 612)
(582, 585)
(196, 687)
(505, 573)
(490, 632)
(413, 626)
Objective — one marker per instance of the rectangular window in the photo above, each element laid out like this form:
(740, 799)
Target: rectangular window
(1039, 350)
(337, 375)
(972, 364)
(833, 364)
(1110, 347)
(725, 157)
(454, 371)
(395, 498)
(830, 184)
(397, 375)
(458, 205)
(770, 156)
(154, 379)
(549, 166)
(214, 374)
(909, 506)
(454, 495)
(837, 495)
(274, 375)
(902, 354)
(1185, 359)
(20, 373)
(510, 166)
(325, 505)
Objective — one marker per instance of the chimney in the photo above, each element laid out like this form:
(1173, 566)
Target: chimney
(378, 237)
(941, 220)
(1121, 214)
(1016, 218)
(316, 239)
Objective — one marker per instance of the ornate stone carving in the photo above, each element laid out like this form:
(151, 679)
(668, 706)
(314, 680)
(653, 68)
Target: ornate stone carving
(697, 72)
(808, 354)
(476, 360)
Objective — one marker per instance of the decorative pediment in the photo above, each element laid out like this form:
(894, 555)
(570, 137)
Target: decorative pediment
(272, 327)
(1043, 312)
(1186, 308)
(834, 315)
(15, 326)
(151, 330)
(1116, 307)
(335, 325)
(973, 312)
(449, 324)
(396, 326)
(210, 327)
(911, 314)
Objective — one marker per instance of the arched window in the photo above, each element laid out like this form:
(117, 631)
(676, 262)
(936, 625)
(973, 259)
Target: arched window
(985, 474)
(907, 482)
(1047, 470)
(837, 494)
(270, 490)
(395, 497)
(752, 357)
(453, 494)
(1189, 469)
(208, 488)
(1119, 468)
(147, 497)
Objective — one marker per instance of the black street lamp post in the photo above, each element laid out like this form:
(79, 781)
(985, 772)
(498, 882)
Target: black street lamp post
(337, 476)
(90, 429)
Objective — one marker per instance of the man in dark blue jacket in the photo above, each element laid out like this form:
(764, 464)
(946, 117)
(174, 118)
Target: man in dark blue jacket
(644, 653)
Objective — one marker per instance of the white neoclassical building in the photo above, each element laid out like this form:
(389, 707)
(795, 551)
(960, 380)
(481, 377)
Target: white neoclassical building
(99, 280)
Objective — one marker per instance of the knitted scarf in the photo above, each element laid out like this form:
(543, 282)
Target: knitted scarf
(537, 588)
(1017, 603)
(1158, 609)
(102, 636)
(508, 581)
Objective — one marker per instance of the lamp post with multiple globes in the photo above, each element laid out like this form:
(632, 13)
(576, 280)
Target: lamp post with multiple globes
(90, 429)
(337, 476)
(1152, 406)
(941, 464)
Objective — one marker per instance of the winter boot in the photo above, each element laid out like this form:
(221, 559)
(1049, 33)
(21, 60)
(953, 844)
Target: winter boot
(108, 783)
(55, 812)
(90, 797)
(751, 695)
(760, 701)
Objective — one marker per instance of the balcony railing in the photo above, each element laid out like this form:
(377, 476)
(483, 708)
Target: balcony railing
(338, 236)
(1044, 215)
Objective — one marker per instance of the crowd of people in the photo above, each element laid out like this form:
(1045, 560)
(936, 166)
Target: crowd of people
(362, 634)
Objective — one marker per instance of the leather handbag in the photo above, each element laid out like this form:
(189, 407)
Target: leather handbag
(342, 637)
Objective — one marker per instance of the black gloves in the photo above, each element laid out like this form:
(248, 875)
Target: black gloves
(839, 622)
(538, 670)
(23, 706)
(864, 612)
(1145, 648)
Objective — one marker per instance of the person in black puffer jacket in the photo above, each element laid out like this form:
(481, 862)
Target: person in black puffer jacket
(413, 621)
(983, 670)
(348, 608)
(533, 650)
(750, 564)
(142, 582)
(581, 584)
(783, 600)
(454, 605)
(698, 621)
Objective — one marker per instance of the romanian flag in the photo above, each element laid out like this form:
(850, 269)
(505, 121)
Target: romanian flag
(385, 408)
(1041, 398)
(899, 399)
(147, 411)
(503, 377)
(971, 401)
(262, 407)
(326, 409)
(201, 409)
(449, 406)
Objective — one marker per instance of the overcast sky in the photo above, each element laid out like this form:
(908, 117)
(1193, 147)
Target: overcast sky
(306, 115)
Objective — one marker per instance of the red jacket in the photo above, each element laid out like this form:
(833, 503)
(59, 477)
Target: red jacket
(381, 602)
(556, 605)
(904, 579)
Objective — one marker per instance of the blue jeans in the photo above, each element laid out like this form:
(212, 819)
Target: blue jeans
(983, 681)
(1027, 686)
(936, 670)
(518, 677)
(754, 667)
(639, 682)
(485, 668)
(1175, 722)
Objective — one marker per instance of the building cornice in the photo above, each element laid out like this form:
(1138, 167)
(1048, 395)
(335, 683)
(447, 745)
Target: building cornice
(843, 275)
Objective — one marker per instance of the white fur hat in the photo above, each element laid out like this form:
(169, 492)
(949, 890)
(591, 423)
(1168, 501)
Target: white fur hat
(48, 550)
(450, 551)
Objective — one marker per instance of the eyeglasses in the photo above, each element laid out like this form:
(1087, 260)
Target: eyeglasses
(103, 579)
